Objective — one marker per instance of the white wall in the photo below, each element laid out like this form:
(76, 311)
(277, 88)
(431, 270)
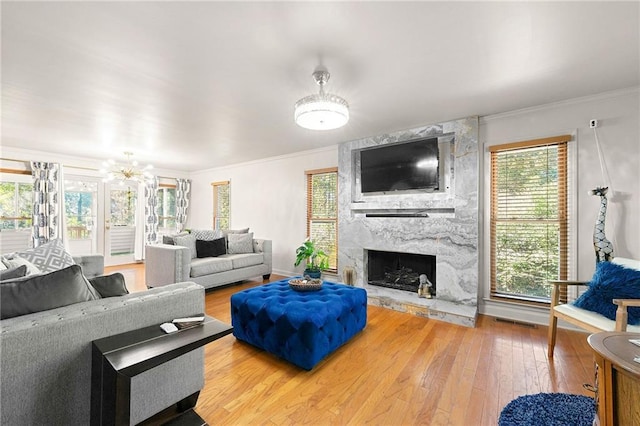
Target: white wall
(269, 196)
(618, 132)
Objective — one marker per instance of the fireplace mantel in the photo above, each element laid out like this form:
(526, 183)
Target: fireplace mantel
(444, 225)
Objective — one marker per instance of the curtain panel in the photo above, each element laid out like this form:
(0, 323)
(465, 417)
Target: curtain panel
(45, 201)
(151, 211)
(183, 189)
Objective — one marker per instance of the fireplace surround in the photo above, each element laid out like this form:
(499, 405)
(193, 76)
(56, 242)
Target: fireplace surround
(443, 225)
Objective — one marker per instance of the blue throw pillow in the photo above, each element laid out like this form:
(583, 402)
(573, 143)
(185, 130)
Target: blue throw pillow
(611, 281)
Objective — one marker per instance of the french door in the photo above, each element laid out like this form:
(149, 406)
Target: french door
(101, 218)
(120, 231)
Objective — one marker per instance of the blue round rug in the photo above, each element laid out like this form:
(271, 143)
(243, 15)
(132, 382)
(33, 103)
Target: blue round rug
(549, 409)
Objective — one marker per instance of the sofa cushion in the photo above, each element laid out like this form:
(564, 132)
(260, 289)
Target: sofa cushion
(43, 292)
(110, 285)
(16, 272)
(213, 248)
(611, 281)
(206, 234)
(244, 260)
(48, 257)
(240, 243)
(171, 238)
(210, 265)
(17, 261)
(188, 241)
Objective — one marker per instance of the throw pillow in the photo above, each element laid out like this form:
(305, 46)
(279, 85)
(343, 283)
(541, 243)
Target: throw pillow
(43, 292)
(611, 281)
(235, 231)
(16, 261)
(206, 234)
(240, 243)
(188, 241)
(171, 238)
(213, 248)
(17, 272)
(110, 285)
(48, 257)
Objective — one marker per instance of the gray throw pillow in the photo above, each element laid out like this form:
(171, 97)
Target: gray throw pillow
(240, 243)
(43, 292)
(48, 257)
(110, 285)
(188, 241)
(17, 272)
(16, 261)
(206, 234)
(171, 238)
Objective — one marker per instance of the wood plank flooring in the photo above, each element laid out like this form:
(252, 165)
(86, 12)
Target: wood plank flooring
(400, 370)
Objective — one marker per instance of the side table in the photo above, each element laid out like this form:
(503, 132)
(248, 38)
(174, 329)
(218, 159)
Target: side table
(115, 360)
(618, 377)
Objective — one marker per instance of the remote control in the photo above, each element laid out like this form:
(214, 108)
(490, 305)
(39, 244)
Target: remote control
(167, 327)
(189, 319)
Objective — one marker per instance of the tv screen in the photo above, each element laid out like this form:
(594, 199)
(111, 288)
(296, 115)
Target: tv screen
(400, 167)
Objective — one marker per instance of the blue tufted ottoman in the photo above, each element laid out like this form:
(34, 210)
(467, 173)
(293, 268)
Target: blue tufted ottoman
(300, 327)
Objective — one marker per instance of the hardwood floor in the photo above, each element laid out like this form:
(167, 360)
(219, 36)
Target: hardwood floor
(400, 370)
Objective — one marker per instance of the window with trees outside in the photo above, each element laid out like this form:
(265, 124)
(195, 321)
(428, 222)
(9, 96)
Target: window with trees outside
(322, 212)
(16, 202)
(166, 209)
(221, 204)
(529, 218)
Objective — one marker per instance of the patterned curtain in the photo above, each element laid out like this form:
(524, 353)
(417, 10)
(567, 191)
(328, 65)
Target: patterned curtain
(151, 211)
(183, 188)
(45, 202)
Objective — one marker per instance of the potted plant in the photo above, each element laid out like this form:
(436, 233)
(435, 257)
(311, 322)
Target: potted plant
(314, 258)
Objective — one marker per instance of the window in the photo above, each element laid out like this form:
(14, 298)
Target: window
(322, 211)
(166, 209)
(529, 220)
(221, 205)
(16, 201)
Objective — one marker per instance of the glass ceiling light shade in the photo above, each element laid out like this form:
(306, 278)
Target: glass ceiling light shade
(323, 111)
(125, 172)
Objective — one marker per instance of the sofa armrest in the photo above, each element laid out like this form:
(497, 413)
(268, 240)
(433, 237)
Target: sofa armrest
(621, 313)
(266, 248)
(166, 264)
(92, 264)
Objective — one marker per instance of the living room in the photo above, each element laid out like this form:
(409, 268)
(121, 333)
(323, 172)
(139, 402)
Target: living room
(524, 99)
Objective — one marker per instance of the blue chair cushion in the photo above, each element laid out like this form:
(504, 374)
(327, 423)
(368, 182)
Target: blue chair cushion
(300, 327)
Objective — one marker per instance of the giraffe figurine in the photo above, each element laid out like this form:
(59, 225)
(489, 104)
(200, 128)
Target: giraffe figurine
(603, 247)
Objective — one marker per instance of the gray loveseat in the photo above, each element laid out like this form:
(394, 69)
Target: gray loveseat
(45, 361)
(166, 264)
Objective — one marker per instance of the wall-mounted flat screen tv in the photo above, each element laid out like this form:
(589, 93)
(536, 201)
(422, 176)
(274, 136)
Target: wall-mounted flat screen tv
(413, 165)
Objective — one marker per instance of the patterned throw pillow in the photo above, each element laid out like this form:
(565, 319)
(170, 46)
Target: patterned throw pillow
(48, 257)
(206, 234)
(240, 243)
(188, 241)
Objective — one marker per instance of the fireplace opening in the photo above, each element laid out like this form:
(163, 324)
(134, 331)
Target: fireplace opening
(401, 271)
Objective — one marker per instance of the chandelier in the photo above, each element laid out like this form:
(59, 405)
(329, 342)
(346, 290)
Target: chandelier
(323, 111)
(124, 172)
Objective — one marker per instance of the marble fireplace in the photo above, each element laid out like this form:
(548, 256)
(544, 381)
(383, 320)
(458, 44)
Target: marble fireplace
(438, 225)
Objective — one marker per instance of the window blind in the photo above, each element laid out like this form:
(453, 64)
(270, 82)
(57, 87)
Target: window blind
(322, 212)
(529, 218)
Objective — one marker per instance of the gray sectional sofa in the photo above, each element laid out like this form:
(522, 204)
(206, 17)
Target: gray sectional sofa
(45, 358)
(166, 264)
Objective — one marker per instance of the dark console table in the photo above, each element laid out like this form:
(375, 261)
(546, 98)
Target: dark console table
(117, 359)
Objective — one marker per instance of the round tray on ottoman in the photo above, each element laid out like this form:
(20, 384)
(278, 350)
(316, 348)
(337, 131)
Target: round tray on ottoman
(305, 284)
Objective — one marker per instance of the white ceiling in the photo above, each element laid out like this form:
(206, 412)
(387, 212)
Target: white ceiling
(194, 85)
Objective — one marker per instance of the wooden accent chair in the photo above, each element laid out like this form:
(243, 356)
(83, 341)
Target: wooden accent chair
(590, 321)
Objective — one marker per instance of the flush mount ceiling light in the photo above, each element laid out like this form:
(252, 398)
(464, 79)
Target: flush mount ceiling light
(323, 111)
(127, 171)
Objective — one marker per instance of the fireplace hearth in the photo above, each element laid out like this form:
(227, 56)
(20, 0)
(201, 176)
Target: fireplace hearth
(400, 271)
